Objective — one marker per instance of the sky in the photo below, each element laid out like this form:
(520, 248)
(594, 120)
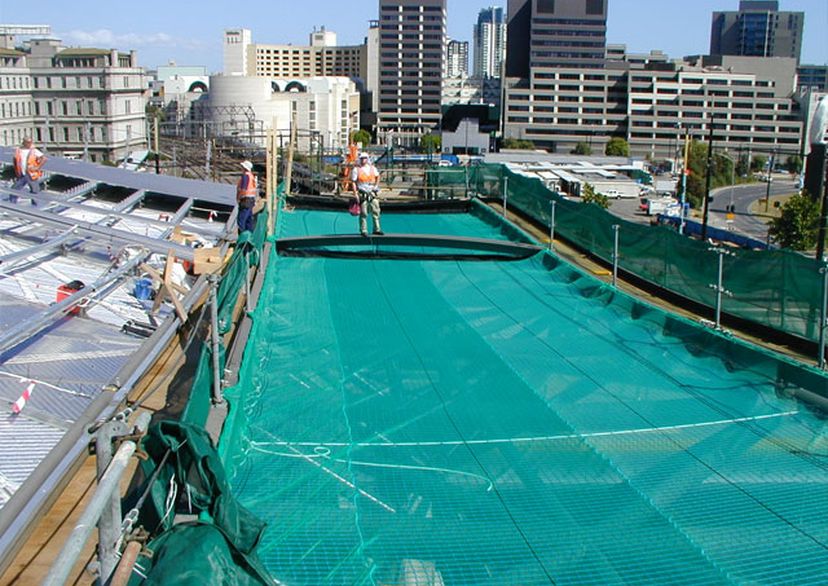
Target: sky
(190, 33)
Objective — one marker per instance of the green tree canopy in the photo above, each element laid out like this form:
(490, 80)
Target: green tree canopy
(517, 143)
(617, 147)
(758, 163)
(793, 164)
(582, 148)
(361, 136)
(430, 143)
(155, 112)
(798, 226)
(722, 170)
(589, 195)
(742, 166)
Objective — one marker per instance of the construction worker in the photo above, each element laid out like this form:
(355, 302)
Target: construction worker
(27, 168)
(365, 181)
(246, 192)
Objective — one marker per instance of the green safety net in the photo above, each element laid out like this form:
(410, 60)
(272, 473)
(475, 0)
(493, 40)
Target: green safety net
(245, 254)
(513, 422)
(779, 289)
(221, 542)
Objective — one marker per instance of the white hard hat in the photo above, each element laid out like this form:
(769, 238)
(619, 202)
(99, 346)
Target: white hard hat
(247, 165)
(364, 156)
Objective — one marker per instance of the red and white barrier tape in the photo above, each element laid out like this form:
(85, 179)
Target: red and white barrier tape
(18, 405)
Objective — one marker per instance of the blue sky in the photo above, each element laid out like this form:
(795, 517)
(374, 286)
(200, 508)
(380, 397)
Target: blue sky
(190, 33)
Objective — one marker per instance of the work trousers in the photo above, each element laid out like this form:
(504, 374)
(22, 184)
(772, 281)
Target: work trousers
(368, 200)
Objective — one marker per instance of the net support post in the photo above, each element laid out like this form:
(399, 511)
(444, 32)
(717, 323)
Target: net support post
(247, 304)
(214, 333)
(615, 229)
(505, 194)
(823, 313)
(552, 226)
(719, 286)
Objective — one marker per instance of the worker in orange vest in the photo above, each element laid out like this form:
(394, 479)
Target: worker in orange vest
(27, 168)
(246, 192)
(365, 181)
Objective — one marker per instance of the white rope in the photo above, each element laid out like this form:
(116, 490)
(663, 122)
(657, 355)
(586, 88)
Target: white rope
(532, 439)
(43, 383)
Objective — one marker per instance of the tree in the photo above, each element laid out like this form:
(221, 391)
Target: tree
(793, 164)
(696, 179)
(722, 172)
(361, 136)
(742, 167)
(758, 163)
(430, 143)
(589, 195)
(517, 143)
(798, 226)
(617, 147)
(155, 112)
(582, 148)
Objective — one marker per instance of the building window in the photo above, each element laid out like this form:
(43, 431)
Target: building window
(594, 7)
(546, 6)
(128, 107)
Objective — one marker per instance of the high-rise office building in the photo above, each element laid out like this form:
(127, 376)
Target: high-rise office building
(489, 42)
(758, 29)
(458, 59)
(555, 33)
(411, 66)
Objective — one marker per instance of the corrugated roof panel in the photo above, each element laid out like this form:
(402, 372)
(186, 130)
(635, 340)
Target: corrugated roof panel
(23, 444)
(79, 355)
(165, 184)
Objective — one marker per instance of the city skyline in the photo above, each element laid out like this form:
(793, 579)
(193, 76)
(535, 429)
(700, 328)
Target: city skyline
(642, 25)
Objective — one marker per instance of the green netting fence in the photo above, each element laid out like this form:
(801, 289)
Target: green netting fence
(246, 254)
(778, 289)
(183, 473)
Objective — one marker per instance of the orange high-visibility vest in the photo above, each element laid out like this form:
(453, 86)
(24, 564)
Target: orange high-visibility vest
(251, 190)
(369, 175)
(33, 164)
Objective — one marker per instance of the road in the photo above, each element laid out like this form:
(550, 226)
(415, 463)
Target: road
(745, 223)
(742, 197)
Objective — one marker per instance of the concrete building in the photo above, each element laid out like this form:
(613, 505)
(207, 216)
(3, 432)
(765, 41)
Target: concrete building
(469, 129)
(652, 105)
(72, 101)
(813, 78)
(555, 33)
(471, 90)
(325, 107)
(489, 43)
(757, 29)
(457, 59)
(175, 88)
(648, 100)
(236, 42)
(321, 58)
(411, 68)
(16, 105)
